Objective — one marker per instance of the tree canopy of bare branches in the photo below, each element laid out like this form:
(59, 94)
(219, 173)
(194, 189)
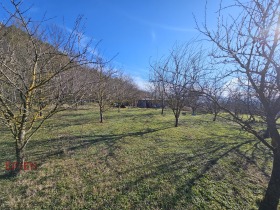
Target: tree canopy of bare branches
(248, 44)
(103, 91)
(35, 66)
(177, 77)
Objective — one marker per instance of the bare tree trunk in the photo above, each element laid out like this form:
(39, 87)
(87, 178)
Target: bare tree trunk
(76, 105)
(41, 108)
(20, 156)
(119, 105)
(272, 195)
(20, 138)
(20, 153)
(215, 116)
(101, 114)
(216, 111)
(193, 111)
(162, 106)
(176, 121)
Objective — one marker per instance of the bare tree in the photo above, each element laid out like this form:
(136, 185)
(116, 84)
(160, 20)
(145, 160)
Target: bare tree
(124, 90)
(33, 84)
(216, 95)
(178, 76)
(133, 93)
(103, 86)
(249, 45)
(158, 81)
(193, 100)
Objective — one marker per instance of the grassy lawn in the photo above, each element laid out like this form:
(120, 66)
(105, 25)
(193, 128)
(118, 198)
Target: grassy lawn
(136, 159)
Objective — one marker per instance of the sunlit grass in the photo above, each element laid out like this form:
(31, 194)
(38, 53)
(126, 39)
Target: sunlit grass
(136, 159)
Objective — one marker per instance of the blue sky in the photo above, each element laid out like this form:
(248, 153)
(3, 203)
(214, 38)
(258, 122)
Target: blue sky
(136, 30)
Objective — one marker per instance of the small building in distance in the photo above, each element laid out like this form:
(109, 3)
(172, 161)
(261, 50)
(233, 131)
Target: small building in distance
(148, 103)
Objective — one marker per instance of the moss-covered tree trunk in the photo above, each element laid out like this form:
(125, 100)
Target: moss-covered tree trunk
(20, 144)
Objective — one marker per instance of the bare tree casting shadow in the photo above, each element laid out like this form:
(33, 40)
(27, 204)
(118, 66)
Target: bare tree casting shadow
(183, 163)
(201, 161)
(69, 144)
(175, 165)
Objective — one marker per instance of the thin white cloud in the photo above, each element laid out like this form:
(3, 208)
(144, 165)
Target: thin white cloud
(178, 29)
(157, 25)
(141, 83)
(154, 36)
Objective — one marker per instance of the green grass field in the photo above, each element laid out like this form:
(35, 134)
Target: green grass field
(136, 159)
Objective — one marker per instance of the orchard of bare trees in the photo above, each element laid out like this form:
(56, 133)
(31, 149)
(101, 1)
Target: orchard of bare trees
(245, 60)
(44, 70)
(47, 69)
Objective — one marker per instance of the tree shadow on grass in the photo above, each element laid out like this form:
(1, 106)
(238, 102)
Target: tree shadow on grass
(69, 144)
(7, 176)
(64, 123)
(41, 151)
(252, 155)
(171, 167)
(174, 168)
